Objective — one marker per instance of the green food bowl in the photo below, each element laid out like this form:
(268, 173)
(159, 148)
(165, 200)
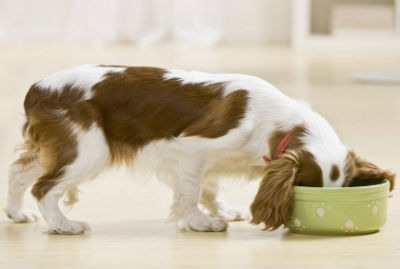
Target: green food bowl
(339, 211)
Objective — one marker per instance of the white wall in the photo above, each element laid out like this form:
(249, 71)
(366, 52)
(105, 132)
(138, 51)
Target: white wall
(256, 21)
(147, 21)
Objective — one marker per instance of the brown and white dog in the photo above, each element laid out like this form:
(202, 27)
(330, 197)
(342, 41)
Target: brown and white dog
(187, 127)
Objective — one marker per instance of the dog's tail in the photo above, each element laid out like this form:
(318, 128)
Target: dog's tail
(44, 112)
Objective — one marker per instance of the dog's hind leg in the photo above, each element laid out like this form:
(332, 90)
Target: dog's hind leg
(218, 207)
(22, 173)
(91, 154)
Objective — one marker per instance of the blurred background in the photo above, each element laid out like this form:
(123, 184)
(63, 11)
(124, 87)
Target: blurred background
(146, 22)
(199, 22)
(201, 27)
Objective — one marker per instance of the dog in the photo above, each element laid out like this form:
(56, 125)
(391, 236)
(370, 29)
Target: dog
(186, 127)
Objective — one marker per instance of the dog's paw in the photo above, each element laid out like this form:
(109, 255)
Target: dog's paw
(69, 227)
(199, 222)
(230, 213)
(22, 216)
(221, 209)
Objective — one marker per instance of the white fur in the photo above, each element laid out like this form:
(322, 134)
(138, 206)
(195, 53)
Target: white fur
(82, 77)
(327, 149)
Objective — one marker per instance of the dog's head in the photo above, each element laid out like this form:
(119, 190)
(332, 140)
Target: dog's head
(272, 204)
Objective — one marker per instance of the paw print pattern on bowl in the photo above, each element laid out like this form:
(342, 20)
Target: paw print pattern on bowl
(374, 207)
(297, 225)
(349, 226)
(321, 209)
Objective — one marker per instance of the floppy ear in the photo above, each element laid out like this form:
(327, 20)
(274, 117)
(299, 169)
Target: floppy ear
(361, 172)
(272, 203)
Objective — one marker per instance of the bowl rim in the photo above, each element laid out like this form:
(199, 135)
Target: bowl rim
(360, 189)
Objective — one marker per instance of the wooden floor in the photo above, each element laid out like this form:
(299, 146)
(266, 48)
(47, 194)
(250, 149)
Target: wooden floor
(129, 218)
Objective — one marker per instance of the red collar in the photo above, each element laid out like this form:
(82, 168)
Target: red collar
(280, 148)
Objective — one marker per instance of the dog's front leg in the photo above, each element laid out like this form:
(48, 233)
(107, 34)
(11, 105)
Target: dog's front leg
(185, 208)
(218, 207)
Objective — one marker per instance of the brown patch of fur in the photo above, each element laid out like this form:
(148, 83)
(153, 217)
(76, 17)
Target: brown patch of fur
(68, 100)
(84, 114)
(360, 172)
(224, 114)
(334, 173)
(139, 106)
(309, 173)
